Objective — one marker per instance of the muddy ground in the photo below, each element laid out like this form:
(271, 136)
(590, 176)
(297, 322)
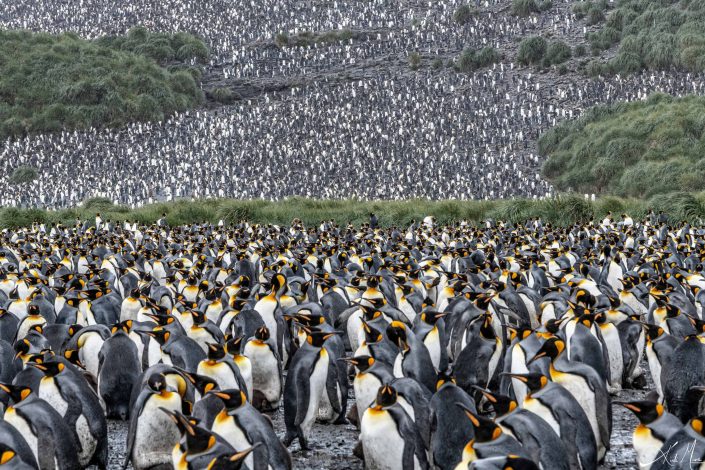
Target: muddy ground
(331, 446)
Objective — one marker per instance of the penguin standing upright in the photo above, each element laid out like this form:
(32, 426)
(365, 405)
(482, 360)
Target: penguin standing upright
(50, 438)
(118, 371)
(152, 434)
(681, 375)
(304, 386)
(267, 381)
(450, 431)
(390, 440)
(555, 405)
(655, 427)
(242, 426)
(413, 360)
(67, 391)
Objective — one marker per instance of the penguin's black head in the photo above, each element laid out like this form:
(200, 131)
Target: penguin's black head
(317, 338)
(431, 317)
(551, 348)
(647, 411)
(33, 309)
(50, 368)
(672, 311)
(157, 382)
(501, 404)
(309, 319)
(17, 393)
(71, 355)
(372, 335)
(386, 396)
(444, 377)
(370, 313)
(216, 351)
(199, 317)
(698, 424)
(124, 326)
(262, 334)
(361, 362)
(233, 346)
(486, 329)
(7, 456)
(232, 398)
(485, 429)
(396, 332)
(534, 381)
(230, 461)
(73, 329)
(160, 335)
(653, 331)
(22, 347)
(202, 383)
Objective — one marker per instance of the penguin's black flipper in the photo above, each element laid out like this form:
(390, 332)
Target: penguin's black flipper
(73, 412)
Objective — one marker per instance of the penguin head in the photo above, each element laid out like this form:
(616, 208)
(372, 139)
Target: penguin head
(698, 424)
(233, 346)
(157, 382)
(370, 313)
(396, 332)
(262, 334)
(17, 393)
(362, 363)
(317, 338)
(216, 351)
(444, 377)
(431, 317)
(486, 328)
(33, 310)
(534, 381)
(71, 355)
(646, 410)
(551, 348)
(501, 404)
(50, 368)
(199, 318)
(231, 461)
(486, 430)
(231, 398)
(160, 335)
(124, 326)
(386, 397)
(653, 331)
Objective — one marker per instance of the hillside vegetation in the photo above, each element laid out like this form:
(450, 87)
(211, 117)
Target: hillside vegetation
(651, 34)
(49, 82)
(562, 210)
(634, 149)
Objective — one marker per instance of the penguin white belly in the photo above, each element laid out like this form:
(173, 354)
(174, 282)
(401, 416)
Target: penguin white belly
(88, 442)
(366, 387)
(646, 447)
(225, 426)
(518, 366)
(614, 351)
(655, 369)
(221, 373)
(49, 392)
(363, 350)
(245, 366)
(266, 307)
(156, 433)
(326, 412)
(579, 388)
(640, 348)
(353, 327)
(494, 360)
(265, 372)
(398, 371)
(89, 352)
(407, 407)
(433, 344)
(24, 428)
(129, 310)
(317, 387)
(543, 412)
(548, 313)
(381, 443)
(408, 311)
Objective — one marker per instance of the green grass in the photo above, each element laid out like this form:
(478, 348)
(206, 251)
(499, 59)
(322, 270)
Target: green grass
(637, 149)
(49, 82)
(562, 210)
(651, 34)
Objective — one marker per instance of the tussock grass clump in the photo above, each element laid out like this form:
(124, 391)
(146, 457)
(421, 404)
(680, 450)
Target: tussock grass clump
(54, 82)
(637, 149)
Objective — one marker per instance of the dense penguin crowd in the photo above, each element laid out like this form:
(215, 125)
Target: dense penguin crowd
(353, 120)
(489, 347)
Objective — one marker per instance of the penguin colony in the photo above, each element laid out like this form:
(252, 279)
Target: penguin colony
(350, 119)
(463, 347)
